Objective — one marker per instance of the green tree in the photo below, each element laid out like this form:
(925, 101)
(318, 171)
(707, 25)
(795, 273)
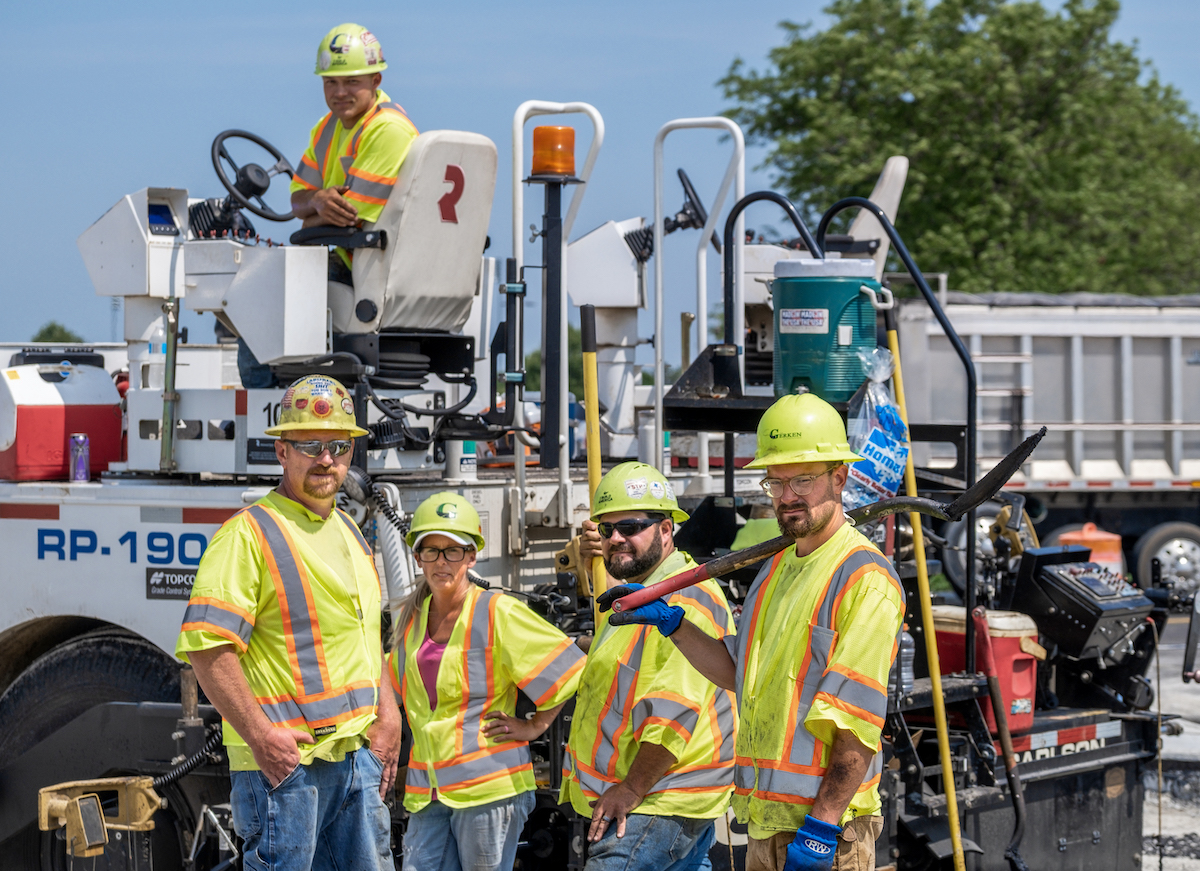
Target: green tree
(533, 364)
(1044, 155)
(53, 331)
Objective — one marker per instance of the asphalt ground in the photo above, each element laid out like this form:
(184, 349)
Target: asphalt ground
(1181, 763)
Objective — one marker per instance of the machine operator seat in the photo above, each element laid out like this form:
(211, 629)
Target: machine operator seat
(436, 220)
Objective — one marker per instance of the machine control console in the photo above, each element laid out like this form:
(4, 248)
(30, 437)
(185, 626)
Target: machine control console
(161, 220)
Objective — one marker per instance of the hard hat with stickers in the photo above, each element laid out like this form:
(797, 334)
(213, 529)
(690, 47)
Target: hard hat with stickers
(350, 50)
(636, 487)
(317, 402)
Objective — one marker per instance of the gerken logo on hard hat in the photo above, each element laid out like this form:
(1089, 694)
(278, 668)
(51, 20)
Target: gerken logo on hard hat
(776, 434)
(340, 44)
(447, 510)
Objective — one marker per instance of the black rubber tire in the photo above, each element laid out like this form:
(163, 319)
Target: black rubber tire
(1186, 572)
(954, 562)
(105, 665)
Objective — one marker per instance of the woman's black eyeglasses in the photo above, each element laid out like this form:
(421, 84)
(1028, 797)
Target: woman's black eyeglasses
(453, 554)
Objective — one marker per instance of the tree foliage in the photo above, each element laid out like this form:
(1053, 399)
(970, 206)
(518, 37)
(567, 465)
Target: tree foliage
(1044, 155)
(53, 331)
(533, 364)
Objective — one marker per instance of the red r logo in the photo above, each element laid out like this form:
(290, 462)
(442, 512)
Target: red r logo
(454, 175)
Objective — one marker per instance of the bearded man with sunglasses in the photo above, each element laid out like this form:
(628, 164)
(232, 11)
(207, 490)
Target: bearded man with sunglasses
(650, 756)
(810, 660)
(283, 630)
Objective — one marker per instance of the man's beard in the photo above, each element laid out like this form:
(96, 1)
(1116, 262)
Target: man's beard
(814, 522)
(636, 565)
(328, 487)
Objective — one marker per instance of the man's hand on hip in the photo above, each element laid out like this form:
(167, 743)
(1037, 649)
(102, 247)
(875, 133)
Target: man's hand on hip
(616, 804)
(333, 209)
(385, 736)
(277, 752)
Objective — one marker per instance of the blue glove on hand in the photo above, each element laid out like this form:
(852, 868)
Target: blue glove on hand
(657, 613)
(814, 847)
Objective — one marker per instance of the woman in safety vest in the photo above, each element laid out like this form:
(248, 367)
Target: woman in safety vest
(459, 656)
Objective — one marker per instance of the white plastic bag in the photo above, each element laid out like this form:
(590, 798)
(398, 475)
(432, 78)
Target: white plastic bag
(877, 434)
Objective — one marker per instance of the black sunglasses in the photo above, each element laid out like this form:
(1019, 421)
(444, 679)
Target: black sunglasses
(627, 528)
(316, 447)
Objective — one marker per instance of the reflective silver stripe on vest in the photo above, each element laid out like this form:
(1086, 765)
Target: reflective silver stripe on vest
(512, 757)
(543, 683)
(802, 786)
(308, 653)
(214, 615)
(852, 692)
(664, 709)
(743, 636)
(610, 723)
(588, 782)
(706, 601)
(702, 777)
(351, 153)
(310, 175)
(374, 189)
(723, 704)
(417, 778)
(321, 148)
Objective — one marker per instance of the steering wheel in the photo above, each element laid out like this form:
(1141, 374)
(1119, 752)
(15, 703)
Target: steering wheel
(691, 201)
(252, 180)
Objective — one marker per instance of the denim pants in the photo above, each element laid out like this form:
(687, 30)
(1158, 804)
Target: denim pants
(326, 816)
(654, 843)
(482, 838)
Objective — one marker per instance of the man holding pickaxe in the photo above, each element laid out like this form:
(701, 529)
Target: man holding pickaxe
(810, 661)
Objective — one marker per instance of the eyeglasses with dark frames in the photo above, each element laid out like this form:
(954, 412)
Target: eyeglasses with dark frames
(456, 553)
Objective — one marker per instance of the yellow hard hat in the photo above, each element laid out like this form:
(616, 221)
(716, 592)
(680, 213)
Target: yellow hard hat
(801, 429)
(317, 402)
(636, 487)
(447, 514)
(349, 50)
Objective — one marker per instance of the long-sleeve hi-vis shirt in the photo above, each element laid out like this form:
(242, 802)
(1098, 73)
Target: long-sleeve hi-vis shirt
(637, 688)
(366, 157)
(816, 640)
(498, 645)
(297, 595)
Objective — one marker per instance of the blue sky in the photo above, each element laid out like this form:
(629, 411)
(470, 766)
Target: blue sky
(133, 94)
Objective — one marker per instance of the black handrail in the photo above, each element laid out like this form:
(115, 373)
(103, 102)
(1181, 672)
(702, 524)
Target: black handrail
(968, 365)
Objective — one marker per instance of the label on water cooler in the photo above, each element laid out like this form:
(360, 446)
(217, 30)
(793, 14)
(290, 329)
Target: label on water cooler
(804, 320)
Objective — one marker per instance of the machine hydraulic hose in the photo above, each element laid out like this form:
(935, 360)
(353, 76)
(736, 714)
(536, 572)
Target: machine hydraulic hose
(190, 764)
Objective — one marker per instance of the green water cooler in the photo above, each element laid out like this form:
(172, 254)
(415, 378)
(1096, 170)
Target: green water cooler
(823, 316)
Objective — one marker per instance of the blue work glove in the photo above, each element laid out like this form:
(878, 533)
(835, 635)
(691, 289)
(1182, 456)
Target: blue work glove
(657, 613)
(814, 847)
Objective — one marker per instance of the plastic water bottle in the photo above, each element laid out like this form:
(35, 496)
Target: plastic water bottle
(903, 666)
(156, 366)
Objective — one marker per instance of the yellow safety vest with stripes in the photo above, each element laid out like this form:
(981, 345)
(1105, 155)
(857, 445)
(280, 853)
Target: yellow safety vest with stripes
(498, 645)
(637, 688)
(299, 598)
(366, 157)
(816, 640)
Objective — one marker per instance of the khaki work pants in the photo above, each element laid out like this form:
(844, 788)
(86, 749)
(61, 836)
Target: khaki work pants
(855, 850)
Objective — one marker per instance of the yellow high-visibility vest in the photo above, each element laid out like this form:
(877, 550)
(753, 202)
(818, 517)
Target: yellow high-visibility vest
(637, 688)
(817, 638)
(298, 596)
(498, 645)
(367, 157)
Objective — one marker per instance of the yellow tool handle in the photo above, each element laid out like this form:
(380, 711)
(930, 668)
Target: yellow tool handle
(591, 405)
(931, 651)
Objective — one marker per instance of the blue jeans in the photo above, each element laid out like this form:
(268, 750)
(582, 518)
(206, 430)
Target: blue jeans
(325, 816)
(654, 843)
(482, 838)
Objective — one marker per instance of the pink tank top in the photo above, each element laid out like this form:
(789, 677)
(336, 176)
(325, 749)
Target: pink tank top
(429, 658)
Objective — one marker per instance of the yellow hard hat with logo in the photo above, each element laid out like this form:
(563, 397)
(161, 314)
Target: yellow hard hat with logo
(350, 50)
(317, 402)
(801, 429)
(636, 487)
(447, 514)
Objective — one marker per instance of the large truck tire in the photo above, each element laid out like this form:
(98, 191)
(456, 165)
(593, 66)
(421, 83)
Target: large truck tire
(104, 665)
(1177, 547)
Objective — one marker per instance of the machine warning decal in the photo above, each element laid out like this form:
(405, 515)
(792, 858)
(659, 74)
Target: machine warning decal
(804, 320)
(169, 583)
(261, 452)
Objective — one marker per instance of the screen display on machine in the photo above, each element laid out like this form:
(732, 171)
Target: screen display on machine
(160, 218)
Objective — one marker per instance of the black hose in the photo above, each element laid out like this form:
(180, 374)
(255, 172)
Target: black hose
(188, 765)
(385, 405)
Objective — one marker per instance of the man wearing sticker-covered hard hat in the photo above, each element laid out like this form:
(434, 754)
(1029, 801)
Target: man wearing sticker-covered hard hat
(817, 637)
(283, 630)
(650, 756)
(355, 152)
